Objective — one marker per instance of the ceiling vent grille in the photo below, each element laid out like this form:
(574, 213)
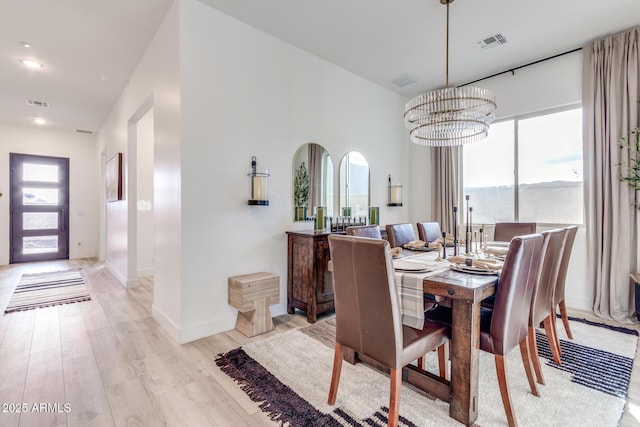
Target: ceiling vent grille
(34, 103)
(492, 41)
(404, 80)
(88, 132)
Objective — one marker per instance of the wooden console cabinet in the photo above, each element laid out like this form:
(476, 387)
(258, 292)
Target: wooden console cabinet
(309, 283)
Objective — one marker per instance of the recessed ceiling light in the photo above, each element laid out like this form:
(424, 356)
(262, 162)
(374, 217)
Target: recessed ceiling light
(106, 77)
(39, 121)
(31, 63)
(25, 44)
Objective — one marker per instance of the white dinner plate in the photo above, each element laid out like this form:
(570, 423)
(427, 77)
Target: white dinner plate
(423, 248)
(474, 270)
(408, 265)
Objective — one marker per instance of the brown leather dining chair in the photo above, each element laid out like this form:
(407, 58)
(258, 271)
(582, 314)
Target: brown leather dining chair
(505, 231)
(372, 231)
(506, 325)
(400, 234)
(368, 314)
(542, 308)
(429, 231)
(558, 295)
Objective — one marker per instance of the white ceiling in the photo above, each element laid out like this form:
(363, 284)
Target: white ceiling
(79, 40)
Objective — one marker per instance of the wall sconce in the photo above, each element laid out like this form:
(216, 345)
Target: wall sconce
(258, 185)
(394, 197)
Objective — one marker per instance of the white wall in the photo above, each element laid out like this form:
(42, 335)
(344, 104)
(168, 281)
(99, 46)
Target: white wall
(154, 84)
(84, 182)
(145, 216)
(245, 94)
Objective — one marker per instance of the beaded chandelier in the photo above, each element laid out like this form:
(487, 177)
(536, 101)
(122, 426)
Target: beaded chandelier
(452, 115)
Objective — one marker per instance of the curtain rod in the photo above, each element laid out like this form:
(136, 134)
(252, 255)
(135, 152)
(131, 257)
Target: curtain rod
(512, 70)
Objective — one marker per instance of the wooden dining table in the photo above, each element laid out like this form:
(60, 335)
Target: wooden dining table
(465, 292)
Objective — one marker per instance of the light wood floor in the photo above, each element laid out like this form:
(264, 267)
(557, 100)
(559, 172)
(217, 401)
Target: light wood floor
(113, 365)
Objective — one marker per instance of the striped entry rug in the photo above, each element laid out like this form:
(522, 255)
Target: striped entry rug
(47, 289)
(288, 375)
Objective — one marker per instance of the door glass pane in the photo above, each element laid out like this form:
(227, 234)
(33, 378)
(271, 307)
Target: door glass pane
(550, 168)
(488, 175)
(36, 172)
(39, 220)
(39, 244)
(40, 196)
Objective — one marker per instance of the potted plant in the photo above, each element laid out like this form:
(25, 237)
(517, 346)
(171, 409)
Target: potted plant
(631, 175)
(301, 192)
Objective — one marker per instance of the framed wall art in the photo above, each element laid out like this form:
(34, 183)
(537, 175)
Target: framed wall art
(113, 178)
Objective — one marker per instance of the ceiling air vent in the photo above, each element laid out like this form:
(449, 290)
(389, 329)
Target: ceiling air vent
(33, 103)
(404, 80)
(88, 132)
(492, 41)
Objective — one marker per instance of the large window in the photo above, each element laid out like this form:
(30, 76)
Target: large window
(528, 169)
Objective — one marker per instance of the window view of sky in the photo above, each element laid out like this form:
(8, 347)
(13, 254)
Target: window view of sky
(550, 149)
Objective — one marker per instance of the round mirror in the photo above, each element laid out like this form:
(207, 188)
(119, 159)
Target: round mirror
(354, 185)
(312, 181)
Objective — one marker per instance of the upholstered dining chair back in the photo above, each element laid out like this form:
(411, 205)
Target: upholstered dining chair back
(564, 263)
(372, 231)
(505, 231)
(543, 296)
(509, 318)
(558, 294)
(369, 316)
(510, 314)
(542, 309)
(429, 231)
(400, 234)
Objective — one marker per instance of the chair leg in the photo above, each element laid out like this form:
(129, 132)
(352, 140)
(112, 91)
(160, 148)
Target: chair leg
(501, 369)
(421, 362)
(335, 376)
(533, 351)
(394, 397)
(555, 330)
(443, 360)
(565, 319)
(551, 337)
(526, 360)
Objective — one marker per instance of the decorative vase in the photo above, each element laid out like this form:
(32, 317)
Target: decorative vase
(300, 213)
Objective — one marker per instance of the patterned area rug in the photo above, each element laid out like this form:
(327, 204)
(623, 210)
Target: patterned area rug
(47, 289)
(289, 375)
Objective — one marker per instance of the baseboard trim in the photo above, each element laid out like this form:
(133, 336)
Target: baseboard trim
(165, 323)
(120, 278)
(145, 272)
(206, 329)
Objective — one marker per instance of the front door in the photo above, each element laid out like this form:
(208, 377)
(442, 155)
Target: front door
(39, 208)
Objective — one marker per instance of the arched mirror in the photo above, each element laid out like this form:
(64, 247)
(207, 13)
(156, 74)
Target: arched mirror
(354, 185)
(312, 181)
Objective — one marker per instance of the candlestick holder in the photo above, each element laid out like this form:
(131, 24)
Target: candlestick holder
(444, 245)
(468, 229)
(258, 185)
(455, 230)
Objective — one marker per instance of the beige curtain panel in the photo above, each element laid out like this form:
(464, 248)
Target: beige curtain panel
(444, 184)
(611, 76)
